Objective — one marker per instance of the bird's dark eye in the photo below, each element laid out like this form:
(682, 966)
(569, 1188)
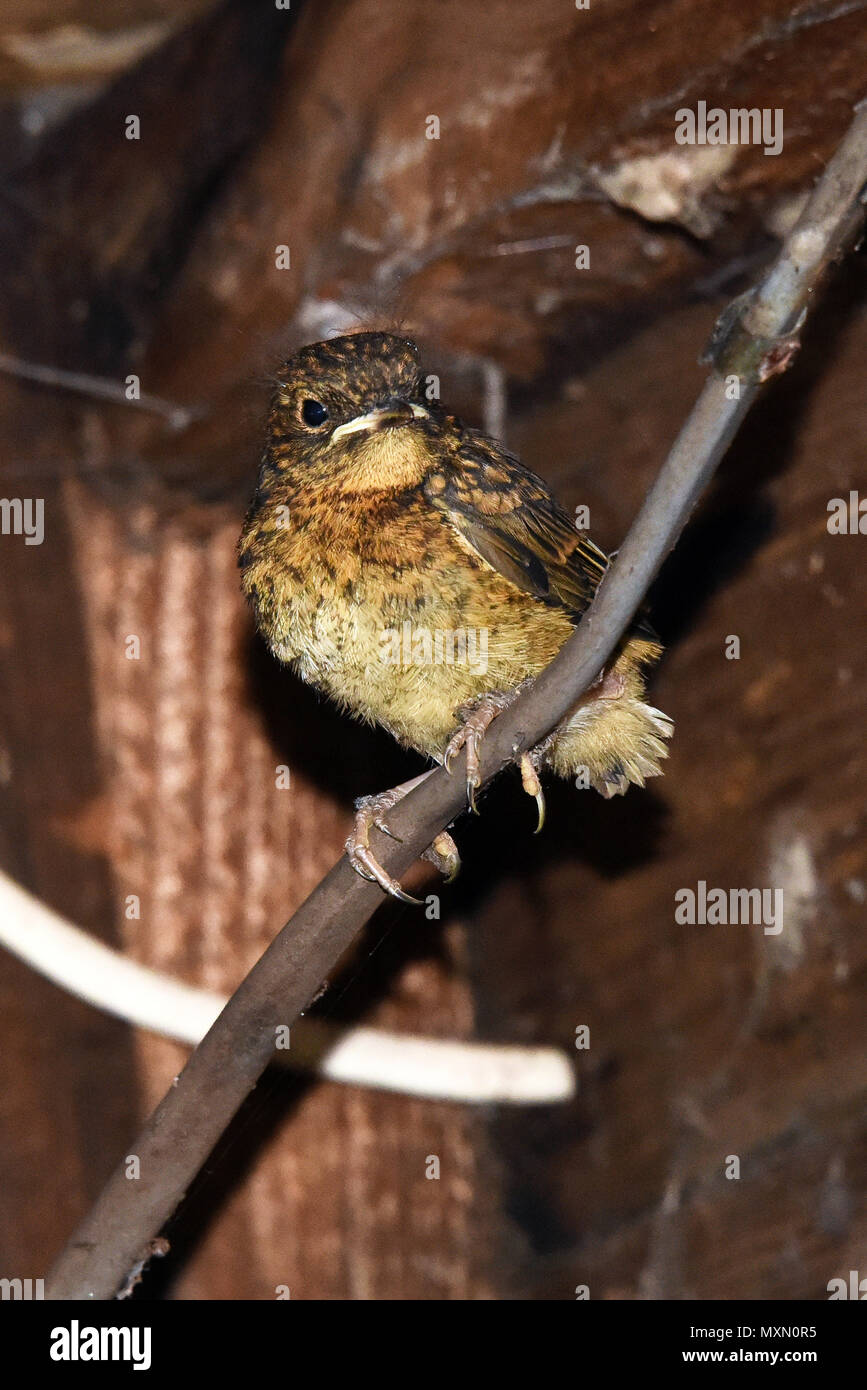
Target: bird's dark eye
(313, 413)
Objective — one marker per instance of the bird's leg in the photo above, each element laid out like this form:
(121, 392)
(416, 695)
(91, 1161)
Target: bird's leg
(371, 811)
(477, 719)
(608, 685)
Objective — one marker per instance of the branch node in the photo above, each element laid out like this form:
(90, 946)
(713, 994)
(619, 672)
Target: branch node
(733, 350)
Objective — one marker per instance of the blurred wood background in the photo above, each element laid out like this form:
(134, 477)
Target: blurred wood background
(156, 777)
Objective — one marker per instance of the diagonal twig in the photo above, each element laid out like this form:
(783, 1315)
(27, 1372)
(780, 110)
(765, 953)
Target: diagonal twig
(99, 388)
(755, 339)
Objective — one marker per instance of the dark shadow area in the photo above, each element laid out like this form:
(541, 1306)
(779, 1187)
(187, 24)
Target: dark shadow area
(70, 300)
(733, 524)
(736, 518)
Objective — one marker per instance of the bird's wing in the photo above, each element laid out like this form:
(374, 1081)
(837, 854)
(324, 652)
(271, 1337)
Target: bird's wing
(510, 518)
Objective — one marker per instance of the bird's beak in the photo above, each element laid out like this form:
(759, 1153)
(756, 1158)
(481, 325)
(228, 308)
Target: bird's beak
(396, 412)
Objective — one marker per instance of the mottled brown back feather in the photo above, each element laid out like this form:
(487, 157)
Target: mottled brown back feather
(510, 518)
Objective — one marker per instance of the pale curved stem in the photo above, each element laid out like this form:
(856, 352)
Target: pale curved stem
(438, 1069)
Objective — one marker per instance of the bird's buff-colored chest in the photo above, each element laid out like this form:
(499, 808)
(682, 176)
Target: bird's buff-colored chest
(372, 598)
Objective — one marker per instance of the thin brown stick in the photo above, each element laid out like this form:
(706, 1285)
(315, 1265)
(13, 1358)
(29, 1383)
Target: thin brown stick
(98, 388)
(755, 340)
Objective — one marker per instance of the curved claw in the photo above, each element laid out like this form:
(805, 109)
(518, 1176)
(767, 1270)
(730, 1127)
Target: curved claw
(360, 855)
(533, 787)
(371, 811)
(477, 718)
(443, 854)
(386, 830)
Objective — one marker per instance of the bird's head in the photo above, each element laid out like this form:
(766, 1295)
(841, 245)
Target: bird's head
(353, 409)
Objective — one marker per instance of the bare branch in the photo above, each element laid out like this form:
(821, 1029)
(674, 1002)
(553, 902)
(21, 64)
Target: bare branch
(755, 340)
(99, 388)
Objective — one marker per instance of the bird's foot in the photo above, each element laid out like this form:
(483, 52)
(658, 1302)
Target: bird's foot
(477, 719)
(370, 812)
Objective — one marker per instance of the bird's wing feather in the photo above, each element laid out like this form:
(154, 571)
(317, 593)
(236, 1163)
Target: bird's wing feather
(510, 518)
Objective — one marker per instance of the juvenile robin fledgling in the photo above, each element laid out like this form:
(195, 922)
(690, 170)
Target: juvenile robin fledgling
(415, 571)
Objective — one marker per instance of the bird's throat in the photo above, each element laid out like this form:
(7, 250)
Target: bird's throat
(392, 458)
